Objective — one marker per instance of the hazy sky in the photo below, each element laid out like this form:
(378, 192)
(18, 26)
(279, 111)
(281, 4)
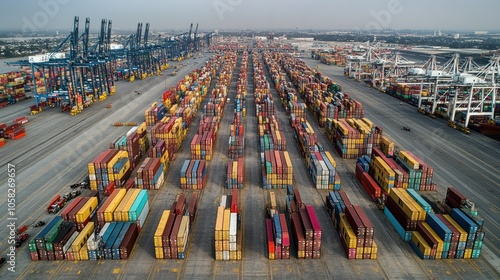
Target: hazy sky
(255, 14)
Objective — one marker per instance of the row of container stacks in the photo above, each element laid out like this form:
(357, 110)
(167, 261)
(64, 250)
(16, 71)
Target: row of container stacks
(235, 176)
(60, 240)
(114, 241)
(135, 142)
(171, 131)
(216, 102)
(79, 211)
(297, 109)
(110, 166)
(150, 174)
(74, 235)
(322, 95)
(408, 208)
(305, 136)
(241, 86)
(405, 92)
(264, 104)
(353, 138)
(228, 229)
(305, 226)
(458, 234)
(160, 150)
(277, 232)
(14, 85)
(155, 113)
(237, 129)
(236, 138)
(355, 230)
(14, 131)
(123, 205)
(329, 58)
(271, 137)
(193, 174)
(321, 166)
(277, 169)
(402, 171)
(184, 99)
(204, 139)
(172, 233)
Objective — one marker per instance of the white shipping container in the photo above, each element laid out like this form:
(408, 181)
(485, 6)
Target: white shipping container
(144, 214)
(233, 224)
(160, 181)
(93, 242)
(225, 255)
(92, 177)
(132, 130)
(223, 201)
(232, 246)
(67, 246)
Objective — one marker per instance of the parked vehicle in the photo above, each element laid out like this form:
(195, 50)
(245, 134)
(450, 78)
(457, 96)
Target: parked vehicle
(39, 224)
(21, 239)
(21, 229)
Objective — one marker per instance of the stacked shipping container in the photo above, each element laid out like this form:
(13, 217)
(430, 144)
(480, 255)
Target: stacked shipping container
(150, 175)
(228, 236)
(353, 137)
(277, 170)
(277, 232)
(322, 170)
(171, 235)
(193, 174)
(235, 174)
(305, 226)
(109, 166)
(355, 231)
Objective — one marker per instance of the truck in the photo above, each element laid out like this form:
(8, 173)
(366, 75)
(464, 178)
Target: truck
(56, 204)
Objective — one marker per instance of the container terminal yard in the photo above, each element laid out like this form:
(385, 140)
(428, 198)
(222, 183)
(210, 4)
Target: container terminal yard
(46, 164)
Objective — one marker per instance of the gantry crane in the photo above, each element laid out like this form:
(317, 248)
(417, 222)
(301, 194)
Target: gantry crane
(75, 81)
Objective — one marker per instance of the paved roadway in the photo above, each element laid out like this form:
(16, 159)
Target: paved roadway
(55, 159)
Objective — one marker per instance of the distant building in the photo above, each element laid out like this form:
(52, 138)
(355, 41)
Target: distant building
(480, 32)
(304, 39)
(456, 36)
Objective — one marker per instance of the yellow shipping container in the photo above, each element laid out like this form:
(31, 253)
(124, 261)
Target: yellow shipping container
(225, 225)
(159, 254)
(434, 234)
(219, 223)
(124, 213)
(117, 213)
(463, 234)
(82, 238)
(182, 235)
(160, 228)
(84, 253)
(408, 159)
(468, 254)
(419, 241)
(347, 233)
(86, 210)
(405, 204)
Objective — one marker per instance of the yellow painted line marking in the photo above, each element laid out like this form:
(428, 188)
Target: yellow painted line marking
(117, 270)
(175, 270)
